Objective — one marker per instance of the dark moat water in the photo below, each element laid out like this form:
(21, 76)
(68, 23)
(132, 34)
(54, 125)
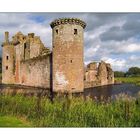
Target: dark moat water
(95, 92)
(112, 90)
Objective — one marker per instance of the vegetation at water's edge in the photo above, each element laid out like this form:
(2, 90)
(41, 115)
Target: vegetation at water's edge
(132, 80)
(75, 112)
(131, 76)
(132, 72)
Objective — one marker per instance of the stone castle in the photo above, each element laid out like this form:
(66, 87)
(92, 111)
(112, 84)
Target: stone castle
(26, 61)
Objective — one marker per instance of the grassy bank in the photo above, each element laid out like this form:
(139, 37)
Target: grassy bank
(133, 80)
(75, 112)
(12, 121)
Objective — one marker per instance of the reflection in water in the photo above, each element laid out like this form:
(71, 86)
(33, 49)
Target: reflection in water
(99, 93)
(104, 92)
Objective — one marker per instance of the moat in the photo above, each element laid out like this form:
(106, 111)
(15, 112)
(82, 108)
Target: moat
(112, 90)
(94, 92)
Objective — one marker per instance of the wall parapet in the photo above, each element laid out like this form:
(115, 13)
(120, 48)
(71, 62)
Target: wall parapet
(59, 21)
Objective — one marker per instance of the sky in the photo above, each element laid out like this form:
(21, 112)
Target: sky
(111, 37)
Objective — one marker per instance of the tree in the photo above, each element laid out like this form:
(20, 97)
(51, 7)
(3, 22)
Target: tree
(119, 74)
(133, 71)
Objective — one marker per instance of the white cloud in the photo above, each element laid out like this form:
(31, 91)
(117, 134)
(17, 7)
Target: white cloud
(104, 28)
(14, 18)
(117, 64)
(130, 48)
(134, 58)
(21, 22)
(89, 52)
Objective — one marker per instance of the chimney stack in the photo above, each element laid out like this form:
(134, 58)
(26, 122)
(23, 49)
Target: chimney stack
(6, 37)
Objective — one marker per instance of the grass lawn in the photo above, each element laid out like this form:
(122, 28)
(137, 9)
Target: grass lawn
(133, 80)
(10, 121)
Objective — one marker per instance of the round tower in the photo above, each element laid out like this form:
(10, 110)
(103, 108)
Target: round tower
(67, 55)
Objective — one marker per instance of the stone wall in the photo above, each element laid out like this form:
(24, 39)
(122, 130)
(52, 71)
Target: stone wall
(36, 46)
(36, 72)
(26, 61)
(18, 58)
(110, 74)
(102, 73)
(98, 75)
(91, 72)
(8, 64)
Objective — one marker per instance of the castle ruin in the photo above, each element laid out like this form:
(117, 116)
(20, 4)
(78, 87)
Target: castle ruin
(26, 61)
(98, 75)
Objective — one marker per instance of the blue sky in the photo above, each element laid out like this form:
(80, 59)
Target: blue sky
(114, 38)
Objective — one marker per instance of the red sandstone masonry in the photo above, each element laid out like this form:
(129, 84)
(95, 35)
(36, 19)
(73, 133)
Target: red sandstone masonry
(68, 64)
(26, 61)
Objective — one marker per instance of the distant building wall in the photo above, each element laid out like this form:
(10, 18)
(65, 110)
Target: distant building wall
(36, 72)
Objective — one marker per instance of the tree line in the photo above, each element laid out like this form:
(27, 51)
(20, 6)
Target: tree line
(132, 72)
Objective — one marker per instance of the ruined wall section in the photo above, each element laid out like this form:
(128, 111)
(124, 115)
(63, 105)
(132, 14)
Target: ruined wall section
(26, 61)
(98, 75)
(26, 47)
(18, 40)
(91, 72)
(30, 46)
(36, 72)
(110, 74)
(36, 45)
(102, 73)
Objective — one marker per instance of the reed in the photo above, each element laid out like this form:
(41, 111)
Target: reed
(124, 111)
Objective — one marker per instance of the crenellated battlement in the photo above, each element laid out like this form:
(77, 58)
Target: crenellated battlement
(67, 21)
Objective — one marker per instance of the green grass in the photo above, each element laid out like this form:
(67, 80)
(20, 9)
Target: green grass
(11, 121)
(133, 80)
(65, 112)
